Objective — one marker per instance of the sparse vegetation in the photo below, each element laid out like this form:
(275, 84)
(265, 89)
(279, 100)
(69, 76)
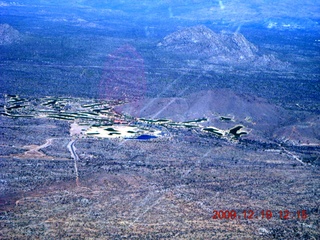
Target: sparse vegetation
(141, 140)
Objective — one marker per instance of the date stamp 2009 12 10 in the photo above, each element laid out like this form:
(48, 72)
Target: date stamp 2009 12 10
(263, 214)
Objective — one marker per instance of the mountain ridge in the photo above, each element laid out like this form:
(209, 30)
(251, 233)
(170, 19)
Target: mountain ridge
(232, 49)
(8, 34)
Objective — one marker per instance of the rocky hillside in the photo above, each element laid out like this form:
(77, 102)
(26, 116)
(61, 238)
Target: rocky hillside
(222, 107)
(200, 42)
(8, 34)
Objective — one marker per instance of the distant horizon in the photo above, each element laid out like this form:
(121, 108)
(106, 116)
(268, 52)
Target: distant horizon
(286, 14)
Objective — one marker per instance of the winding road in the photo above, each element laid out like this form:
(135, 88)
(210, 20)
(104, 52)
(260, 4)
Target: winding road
(74, 155)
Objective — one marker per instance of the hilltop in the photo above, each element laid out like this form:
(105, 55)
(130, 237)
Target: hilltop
(8, 34)
(233, 49)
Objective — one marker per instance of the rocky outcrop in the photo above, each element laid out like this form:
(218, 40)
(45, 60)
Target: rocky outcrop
(8, 34)
(231, 49)
(203, 42)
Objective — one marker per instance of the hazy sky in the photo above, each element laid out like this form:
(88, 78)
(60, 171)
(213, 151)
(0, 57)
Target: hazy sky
(290, 13)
